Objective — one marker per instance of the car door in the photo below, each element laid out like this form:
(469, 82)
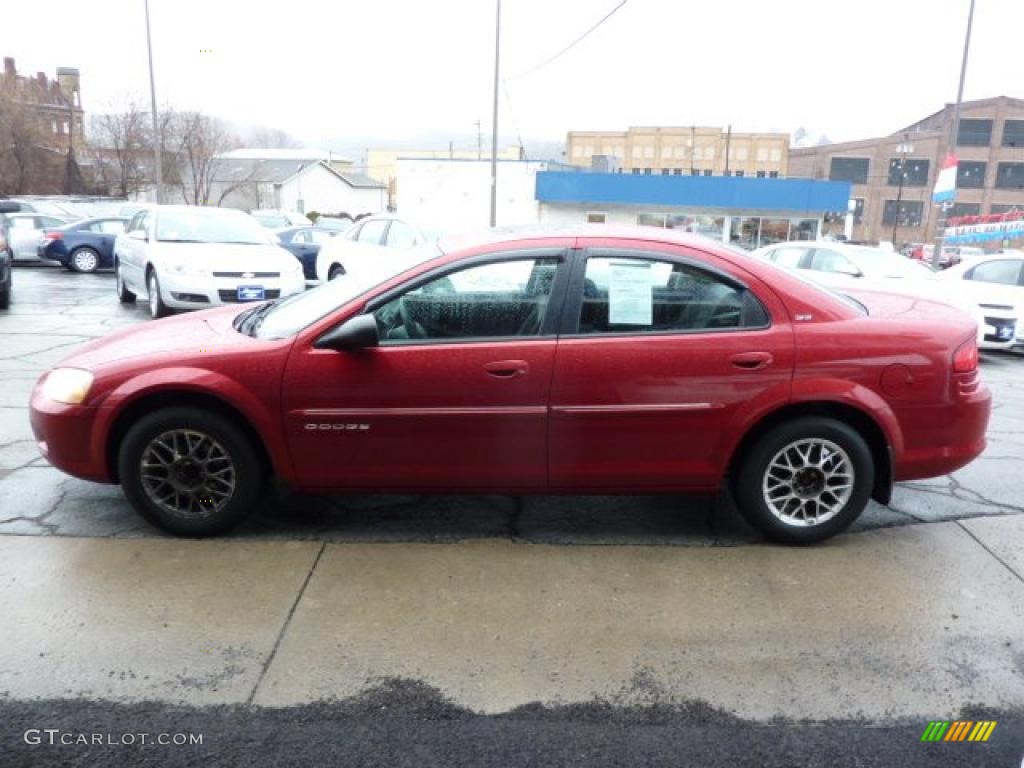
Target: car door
(104, 232)
(664, 353)
(131, 252)
(456, 394)
(24, 236)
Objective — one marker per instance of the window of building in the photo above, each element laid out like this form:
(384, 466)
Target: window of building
(662, 297)
(665, 171)
(1006, 207)
(707, 171)
(680, 152)
(773, 174)
(760, 174)
(1013, 133)
(906, 213)
(740, 153)
(776, 155)
(858, 210)
(743, 231)
(970, 174)
(596, 218)
(913, 171)
(651, 219)
(1010, 176)
(774, 231)
(498, 300)
(635, 171)
(577, 150)
(648, 152)
(588, 150)
(974, 133)
(67, 127)
(851, 169)
(677, 171)
(762, 154)
(709, 226)
(964, 209)
(666, 153)
(55, 127)
(695, 171)
(727, 173)
(739, 173)
(647, 171)
(638, 151)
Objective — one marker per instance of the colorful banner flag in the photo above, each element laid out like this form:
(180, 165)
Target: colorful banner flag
(945, 182)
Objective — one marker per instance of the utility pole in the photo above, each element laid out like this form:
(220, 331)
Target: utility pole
(693, 146)
(479, 141)
(158, 139)
(494, 126)
(728, 141)
(955, 132)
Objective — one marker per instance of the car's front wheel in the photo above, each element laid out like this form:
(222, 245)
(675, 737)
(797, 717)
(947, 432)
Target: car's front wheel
(805, 480)
(85, 260)
(335, 272)
(189, 471)
(157, 308)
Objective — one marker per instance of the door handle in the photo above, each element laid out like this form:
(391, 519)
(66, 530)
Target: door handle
(507, 369)
(751, 361)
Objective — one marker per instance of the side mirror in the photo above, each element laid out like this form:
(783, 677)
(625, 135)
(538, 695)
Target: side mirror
(360, 332)
(849, 271)
(138, 234)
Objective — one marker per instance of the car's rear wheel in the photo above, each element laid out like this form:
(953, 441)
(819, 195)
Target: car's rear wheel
(189, 471)
(157, 308)
(805, 480)
(85, 260)
(123, 294)
(335, 272)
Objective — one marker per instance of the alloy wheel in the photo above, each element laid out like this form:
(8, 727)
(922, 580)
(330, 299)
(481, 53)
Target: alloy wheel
(85, 260)
(808, 482)
(187, 473)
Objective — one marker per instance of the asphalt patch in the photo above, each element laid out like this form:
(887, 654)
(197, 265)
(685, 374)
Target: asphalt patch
(399, 723)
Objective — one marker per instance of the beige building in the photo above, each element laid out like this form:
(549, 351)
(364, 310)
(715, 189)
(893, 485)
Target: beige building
(382, 164)
(694, 150)
(893, 176)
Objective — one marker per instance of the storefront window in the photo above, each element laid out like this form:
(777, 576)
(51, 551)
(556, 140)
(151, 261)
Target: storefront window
(804, 229)
(650, 219)
(709, 226)
(744, 231)
(774, 231)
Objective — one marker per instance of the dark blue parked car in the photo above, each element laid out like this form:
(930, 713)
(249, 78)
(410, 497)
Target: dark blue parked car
(304, 243)
(83, 246)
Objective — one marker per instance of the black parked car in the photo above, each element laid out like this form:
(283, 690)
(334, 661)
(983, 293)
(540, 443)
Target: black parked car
(83, 246)
(304, 243)
(6, 255)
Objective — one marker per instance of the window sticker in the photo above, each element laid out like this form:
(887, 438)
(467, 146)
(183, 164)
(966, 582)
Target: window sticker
(630, 297)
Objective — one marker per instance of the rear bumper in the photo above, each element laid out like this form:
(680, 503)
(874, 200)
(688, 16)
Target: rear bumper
(942, 439)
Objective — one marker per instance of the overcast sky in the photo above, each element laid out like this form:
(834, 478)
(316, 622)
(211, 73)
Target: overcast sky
(401, 68)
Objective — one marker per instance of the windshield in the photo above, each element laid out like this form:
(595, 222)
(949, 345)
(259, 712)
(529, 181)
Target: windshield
(292, 315)
(272, 220)
(209, 225)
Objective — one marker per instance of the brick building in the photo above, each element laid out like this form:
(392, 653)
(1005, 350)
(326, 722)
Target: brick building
(893, 176)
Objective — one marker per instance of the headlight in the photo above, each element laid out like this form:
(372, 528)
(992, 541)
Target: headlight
(68, 385)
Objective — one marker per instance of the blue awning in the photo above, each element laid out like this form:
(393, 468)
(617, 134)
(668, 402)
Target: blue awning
(720, 192)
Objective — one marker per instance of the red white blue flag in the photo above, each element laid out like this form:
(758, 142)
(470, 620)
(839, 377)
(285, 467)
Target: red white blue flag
(945, 183)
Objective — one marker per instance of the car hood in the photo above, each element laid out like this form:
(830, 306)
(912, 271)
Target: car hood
(229, 257)
(206, 331)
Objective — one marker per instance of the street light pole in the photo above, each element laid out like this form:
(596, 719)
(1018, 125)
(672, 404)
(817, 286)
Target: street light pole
(494, 126)
(158, 140)
(903, 149)
(955, 128)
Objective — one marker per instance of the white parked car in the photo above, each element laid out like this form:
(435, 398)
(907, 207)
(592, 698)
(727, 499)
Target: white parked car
(183, 257)
(25, 230)
(374, 237)
(994, 282)
(840, 265)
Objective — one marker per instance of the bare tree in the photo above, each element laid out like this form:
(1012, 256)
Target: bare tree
(121, 149)
(193, 144)
(21, 134)
(272, 138)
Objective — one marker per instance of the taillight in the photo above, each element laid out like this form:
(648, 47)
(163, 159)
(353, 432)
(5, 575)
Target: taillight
(53, 236)
(965, 359)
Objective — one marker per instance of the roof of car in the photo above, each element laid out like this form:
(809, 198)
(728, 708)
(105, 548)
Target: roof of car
(571, 232)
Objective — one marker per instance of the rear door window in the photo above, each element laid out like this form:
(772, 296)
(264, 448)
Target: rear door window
(1003, 271)
(372, 232)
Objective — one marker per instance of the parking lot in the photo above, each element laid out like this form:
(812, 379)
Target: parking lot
(461, 607)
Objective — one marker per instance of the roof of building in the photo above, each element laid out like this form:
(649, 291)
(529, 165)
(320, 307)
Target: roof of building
(307, 154)
(234, 170)
(718, 192)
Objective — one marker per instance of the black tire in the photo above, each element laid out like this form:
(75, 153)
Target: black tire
(84, 260)
(248, 476)
(335, 271)
(157, 308)
(5, 297)
(123, 294)
(749, 484)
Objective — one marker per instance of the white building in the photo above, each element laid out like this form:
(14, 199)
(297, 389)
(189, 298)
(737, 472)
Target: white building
(454, 194)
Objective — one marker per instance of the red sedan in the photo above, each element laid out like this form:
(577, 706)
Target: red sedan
(601, 361)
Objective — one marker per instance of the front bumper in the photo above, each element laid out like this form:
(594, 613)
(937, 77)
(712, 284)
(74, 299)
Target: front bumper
(191, 292)
(65, 437)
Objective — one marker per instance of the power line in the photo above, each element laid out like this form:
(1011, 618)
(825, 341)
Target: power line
(573, 44)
